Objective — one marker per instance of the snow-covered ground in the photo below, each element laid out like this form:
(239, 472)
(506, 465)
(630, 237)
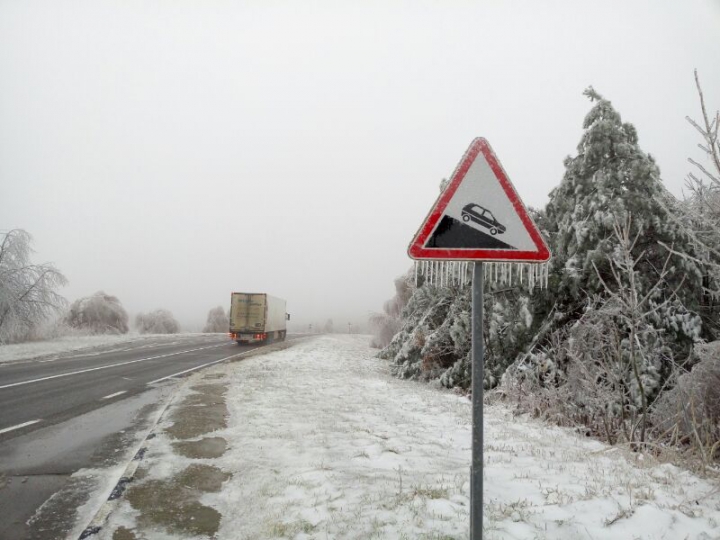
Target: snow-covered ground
(324, 443)
(66, 344)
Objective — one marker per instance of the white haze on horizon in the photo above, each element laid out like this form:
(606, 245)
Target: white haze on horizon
(169, 153)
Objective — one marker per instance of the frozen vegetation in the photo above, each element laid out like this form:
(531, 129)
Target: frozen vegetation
(28, 294)
(615, 342)
(217, 320)
(99, 313)
(159, 321)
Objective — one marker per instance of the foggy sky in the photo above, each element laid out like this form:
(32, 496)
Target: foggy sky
(171, 152)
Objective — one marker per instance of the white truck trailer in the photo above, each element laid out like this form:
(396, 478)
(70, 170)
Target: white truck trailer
(257, 317)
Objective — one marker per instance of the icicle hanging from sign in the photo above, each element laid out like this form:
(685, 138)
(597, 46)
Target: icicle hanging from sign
(529, 276)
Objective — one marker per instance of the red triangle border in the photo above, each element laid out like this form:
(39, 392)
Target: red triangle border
(416, 250)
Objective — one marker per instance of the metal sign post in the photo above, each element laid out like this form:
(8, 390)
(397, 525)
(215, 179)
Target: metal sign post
(478, 217)
(478, 351)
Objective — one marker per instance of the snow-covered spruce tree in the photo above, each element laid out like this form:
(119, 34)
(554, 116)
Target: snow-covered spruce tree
(159, 321)
(614, 238)
(508, 324)
(434, 340)
(99, 314)
(27, 291)
(217, 321)
(610, 181)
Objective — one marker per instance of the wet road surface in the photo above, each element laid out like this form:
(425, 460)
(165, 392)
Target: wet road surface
(82, 411)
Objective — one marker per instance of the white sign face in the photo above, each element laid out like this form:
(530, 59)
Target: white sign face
(479, 216)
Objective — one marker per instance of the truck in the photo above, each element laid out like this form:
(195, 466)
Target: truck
(257, 318)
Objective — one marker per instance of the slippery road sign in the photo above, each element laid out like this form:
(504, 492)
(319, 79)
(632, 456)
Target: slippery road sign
(479, 216)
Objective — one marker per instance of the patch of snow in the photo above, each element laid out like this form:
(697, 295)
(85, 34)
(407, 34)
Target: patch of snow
(325, 443)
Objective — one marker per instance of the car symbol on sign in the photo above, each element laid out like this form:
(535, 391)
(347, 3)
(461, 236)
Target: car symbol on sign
(482, 216)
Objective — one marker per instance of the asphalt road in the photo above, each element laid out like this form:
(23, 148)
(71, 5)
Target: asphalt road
(82, 411)
(35, 394)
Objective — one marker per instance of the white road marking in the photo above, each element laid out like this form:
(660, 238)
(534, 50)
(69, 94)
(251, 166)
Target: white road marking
(110, 366)
(198, 367)
(115, 394)
(30, 423)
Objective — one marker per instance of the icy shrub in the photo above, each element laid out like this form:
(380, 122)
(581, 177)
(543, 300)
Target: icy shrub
(410, 317)
(508, 326)
(580, 395)
(409, 362)
(450, 340)
(506, 331)
(385, 325)
(436, 334)
(217, 321)
(590, 374)
(100, 313)
(459, 375)
(689, 414)
(160, 321)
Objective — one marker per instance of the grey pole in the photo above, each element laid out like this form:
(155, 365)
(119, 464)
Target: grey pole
(476, 470)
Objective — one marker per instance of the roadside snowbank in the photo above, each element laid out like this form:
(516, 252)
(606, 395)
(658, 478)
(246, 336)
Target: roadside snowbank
(36, 349)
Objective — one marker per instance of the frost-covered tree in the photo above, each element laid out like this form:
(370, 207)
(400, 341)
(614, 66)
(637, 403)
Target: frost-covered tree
(217, 321)
(159, 321)
(420, 349)
(702, 209)
(625, 288)
(99, 313)
(708, 128)
(610, 181)
(28, 292)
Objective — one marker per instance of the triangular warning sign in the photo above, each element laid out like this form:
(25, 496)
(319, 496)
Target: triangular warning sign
(479, 216)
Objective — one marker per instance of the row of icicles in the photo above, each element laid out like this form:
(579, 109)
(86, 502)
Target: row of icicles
(444, 273)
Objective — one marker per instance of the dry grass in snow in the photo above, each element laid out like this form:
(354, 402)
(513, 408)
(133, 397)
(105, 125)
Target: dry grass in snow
(326, 444)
